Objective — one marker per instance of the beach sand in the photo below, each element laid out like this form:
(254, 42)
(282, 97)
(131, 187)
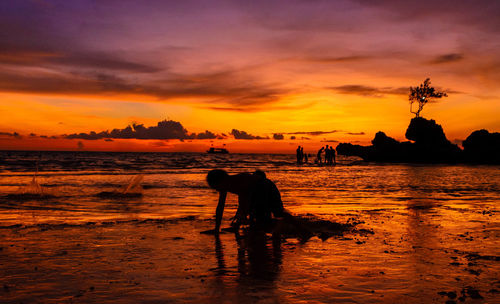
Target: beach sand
(417, 254)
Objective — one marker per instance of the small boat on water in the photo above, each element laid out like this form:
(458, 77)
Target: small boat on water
(218, 150)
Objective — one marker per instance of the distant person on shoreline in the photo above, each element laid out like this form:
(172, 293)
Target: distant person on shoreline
(318, 156)
(327, 155)
(332, 156)
(299, 152)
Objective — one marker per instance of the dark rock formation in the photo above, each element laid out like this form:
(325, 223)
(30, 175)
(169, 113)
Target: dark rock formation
(428, 145)
(349, 149)
(386, 148)
(482, 147)
(383, 148)
(426, 132)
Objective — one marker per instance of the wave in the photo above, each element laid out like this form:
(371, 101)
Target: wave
(53, 226)
(57, 162)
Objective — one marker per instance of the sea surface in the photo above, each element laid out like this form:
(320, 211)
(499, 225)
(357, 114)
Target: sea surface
(435, 232)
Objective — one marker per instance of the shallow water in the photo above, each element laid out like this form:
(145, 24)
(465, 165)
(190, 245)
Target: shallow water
(436, 229)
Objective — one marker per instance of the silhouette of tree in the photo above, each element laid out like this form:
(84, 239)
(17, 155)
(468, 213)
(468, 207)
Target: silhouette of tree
(423, 94)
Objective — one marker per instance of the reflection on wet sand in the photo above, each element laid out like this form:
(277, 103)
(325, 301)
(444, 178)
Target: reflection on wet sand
(259, 260)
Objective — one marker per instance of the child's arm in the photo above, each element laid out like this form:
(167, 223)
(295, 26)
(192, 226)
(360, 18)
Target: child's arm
(243, 210)
(220, 210)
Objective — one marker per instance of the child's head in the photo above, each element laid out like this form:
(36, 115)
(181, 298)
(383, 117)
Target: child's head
(260, 173)
(215, 178)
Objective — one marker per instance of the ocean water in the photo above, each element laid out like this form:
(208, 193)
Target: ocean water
(435, 229)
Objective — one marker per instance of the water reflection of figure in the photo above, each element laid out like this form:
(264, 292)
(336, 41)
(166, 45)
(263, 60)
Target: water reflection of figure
(219, 254)
(256, 259)
(259, 260)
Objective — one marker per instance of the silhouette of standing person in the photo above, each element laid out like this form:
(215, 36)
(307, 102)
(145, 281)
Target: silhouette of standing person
(332, 155)
(327, 155)
(299, 157)
(318, 156)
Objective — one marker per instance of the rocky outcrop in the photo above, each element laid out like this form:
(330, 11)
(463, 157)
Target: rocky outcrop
(482, 147)
(383, 148)
(426, 132)
(428, 144)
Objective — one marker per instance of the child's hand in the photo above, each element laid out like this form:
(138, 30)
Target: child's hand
(211, 231)
(238, 220)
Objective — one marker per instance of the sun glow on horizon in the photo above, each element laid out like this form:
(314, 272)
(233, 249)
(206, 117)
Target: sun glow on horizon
(299, 69)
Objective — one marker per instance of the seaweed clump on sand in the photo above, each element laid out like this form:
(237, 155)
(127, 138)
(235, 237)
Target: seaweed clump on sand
(305, 227)
(302, 228)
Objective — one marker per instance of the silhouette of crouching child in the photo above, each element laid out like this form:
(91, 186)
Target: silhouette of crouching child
(259, 202)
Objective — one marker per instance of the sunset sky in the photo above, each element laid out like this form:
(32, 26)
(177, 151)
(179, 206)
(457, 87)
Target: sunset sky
(255, 75)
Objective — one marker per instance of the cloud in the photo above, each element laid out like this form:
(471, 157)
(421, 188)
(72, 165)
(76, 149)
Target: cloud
(80, 145)
(8, 134)
(159, 144)
(480, 13)
(41, 57)
(318, 133)
(278, 136)
(166, 129)
(362, 90)
(232, 109)
(446, 58)
(52, 55)
(304, 16)
(260, 107)
(293, 137)
(44, 136)
(312, 133)
(330, 141)
(355, 133)
(341, 59)
(206, 135)
(244, 135)
(60, 49)
(230, 88)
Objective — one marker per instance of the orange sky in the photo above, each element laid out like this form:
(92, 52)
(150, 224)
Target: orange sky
(339, 69)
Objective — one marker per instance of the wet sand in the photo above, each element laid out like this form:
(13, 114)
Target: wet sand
(435, 239)
(419, 253)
